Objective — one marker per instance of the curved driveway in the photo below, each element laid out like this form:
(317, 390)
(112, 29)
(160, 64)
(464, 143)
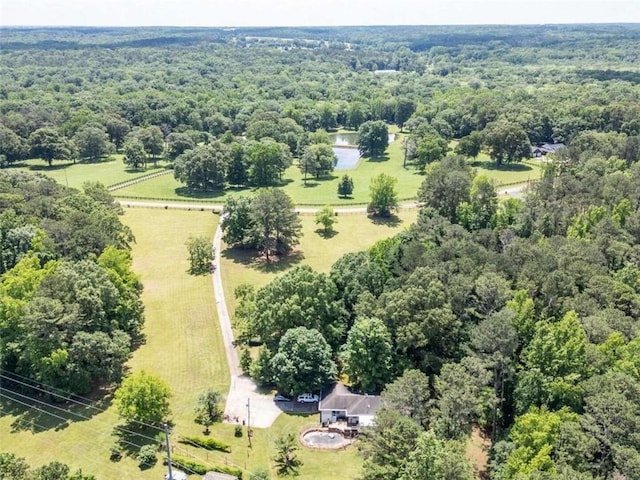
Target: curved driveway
(243, 393)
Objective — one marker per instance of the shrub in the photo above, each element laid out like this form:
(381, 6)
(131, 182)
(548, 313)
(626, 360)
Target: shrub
(201, 468)
(147, 456)
(207, 443)
(116, 453)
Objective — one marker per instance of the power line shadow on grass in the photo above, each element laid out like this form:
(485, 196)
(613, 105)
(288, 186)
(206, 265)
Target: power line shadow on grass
(130, 438)
(36, 413)
(28, 420)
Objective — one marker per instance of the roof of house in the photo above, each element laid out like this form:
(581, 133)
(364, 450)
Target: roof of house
(218, 476)
(548, 147)
(338, 397)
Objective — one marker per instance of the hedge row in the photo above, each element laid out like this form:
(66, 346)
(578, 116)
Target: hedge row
(207, 443)
(201, 469)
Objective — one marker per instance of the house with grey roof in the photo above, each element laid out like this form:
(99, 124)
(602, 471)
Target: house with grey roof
(338, 403)
(545, 149)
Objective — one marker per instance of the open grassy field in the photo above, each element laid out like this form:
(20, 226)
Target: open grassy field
(108, 172)
(322, 191)
(183, 346)
(354, 232)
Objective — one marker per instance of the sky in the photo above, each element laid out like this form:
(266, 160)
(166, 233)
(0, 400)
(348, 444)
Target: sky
(314, 12)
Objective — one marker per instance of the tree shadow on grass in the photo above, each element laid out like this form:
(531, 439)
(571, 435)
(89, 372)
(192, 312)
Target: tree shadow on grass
(506, 167)
(199, 194)
(326, 234)
(391, 221)
(251, 259)
(35, 412)
(130, 437)
(381, 158)
(46, 168)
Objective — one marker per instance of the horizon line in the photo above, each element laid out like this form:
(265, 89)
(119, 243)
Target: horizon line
(320, 26)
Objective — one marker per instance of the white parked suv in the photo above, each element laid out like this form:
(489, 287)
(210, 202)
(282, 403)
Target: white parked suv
(308, 398)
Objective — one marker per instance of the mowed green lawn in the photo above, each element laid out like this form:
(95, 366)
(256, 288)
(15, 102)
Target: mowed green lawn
(183, 346)
(321, 191)
(317, 465)
(108, 172)
(354, 232)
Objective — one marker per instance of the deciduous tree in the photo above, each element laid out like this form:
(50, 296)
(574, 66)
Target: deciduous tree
(48, 144)
(367, 354)
(327, 218)
(276, 226)
(507, 142)
(373, 138)
(436, 459)
(384, 198)
(143, 397)
(134, 154)
(303, 362)
(200, 255)
(300, 297)
(208, 410)
(93, 142)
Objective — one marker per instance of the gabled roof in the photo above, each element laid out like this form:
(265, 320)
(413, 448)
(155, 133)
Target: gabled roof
(548, 147)
(338, 397)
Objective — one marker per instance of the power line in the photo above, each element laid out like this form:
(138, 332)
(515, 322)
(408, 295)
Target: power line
(67, 395)
(78, 414)
(84, 456)
(83, 417)
(9, 397)
(136, 446)
(184, 467)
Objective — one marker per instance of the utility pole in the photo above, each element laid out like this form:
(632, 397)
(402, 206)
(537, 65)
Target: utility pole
(168, 445)
(249, 421)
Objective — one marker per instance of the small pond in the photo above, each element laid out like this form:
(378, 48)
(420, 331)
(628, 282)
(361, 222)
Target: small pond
(350, 138)
(344, 139)
(347, 158)
(324, 439)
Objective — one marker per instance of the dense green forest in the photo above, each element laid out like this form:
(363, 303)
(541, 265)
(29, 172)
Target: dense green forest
(70, 312)
(83, 93)
(520, 317)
